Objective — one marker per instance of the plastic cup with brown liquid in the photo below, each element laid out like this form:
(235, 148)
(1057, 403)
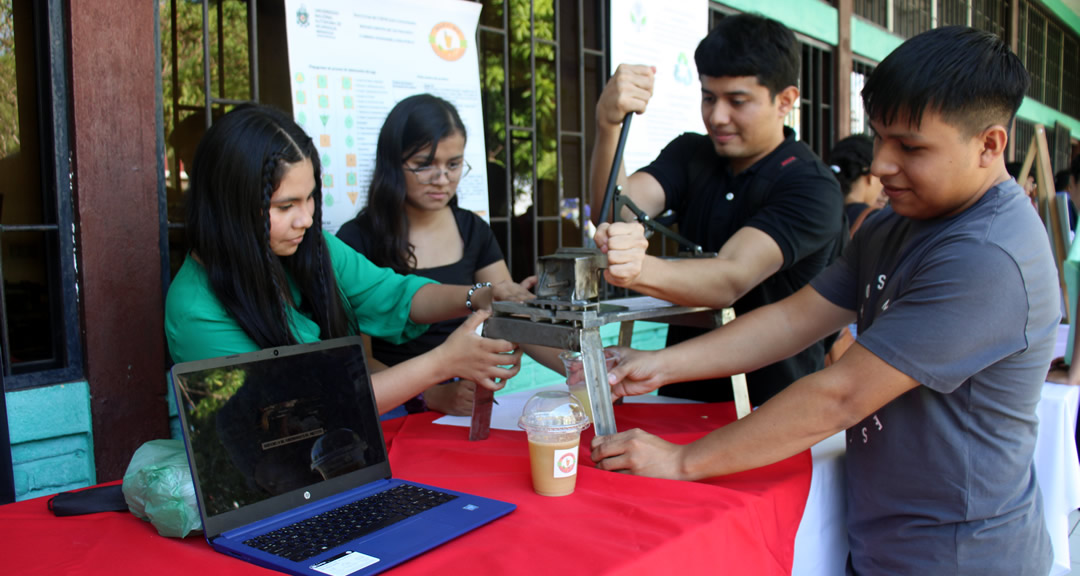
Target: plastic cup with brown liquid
(553, 421)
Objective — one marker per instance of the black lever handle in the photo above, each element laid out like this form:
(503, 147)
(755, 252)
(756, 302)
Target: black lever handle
(616, 164)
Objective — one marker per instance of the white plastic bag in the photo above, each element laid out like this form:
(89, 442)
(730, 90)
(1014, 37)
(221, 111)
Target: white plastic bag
(158, 488)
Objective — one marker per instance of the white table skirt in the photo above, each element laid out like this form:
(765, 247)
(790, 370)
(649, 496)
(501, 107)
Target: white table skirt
(1056, 463)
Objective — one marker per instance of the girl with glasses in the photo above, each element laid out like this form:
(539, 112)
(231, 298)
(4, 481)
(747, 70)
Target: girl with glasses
(413, 225)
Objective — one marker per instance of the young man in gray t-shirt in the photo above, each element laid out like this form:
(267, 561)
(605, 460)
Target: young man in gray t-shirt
(955, 294)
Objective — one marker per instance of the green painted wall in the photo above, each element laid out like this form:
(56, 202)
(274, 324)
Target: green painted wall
(814, 18)
(52, 447)
(1070, 16)
(1040, 113)
(871, 41)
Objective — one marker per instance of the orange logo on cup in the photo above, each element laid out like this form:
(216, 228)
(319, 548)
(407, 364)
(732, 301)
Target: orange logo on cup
(447, 41)
(566, 463)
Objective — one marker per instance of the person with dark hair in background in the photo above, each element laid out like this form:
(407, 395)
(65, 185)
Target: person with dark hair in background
(863, 195)
(1029, 186)
(413, 225)
(850, 162)
(1074, 176)
(1072, 187)
(746, 190)
(262, 273)
(955, 292)
(1062, 186)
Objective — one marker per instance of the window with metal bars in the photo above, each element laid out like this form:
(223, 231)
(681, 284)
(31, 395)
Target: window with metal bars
(1022, 136)
(910, 17)
(208, 66)
(1070, 76)
(860, 72)
(1057, 144)
(875, 11)
(1050, 52)
(990, 15)
(39, 321)
(1032, 46)
(543, 65)
(816, 90)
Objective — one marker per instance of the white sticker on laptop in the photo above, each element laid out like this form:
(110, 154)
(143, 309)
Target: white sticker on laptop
(345, 563)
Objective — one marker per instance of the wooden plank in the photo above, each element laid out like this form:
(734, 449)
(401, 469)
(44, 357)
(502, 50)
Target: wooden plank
(116, 176)
(738, 381)
(626, 333)
(1039, 156)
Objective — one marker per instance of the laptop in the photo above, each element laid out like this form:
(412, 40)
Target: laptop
(288, 459)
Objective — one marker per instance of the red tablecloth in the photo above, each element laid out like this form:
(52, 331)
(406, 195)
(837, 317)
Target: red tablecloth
(613, 523)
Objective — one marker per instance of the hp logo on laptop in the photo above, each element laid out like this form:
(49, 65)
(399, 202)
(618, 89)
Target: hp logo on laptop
(307, 495)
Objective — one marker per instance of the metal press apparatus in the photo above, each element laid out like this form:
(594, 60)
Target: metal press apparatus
(567, 312)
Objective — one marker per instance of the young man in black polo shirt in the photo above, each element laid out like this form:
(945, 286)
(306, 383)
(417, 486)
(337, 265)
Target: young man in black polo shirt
(747, 190)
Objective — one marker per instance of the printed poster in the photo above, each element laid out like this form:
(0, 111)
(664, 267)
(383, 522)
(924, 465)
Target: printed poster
(350, 61)
(664, 34)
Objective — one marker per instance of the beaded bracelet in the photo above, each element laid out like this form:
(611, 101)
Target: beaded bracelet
(477, 286)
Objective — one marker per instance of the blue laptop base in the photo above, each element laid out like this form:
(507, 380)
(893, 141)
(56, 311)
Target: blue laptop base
(381, 550)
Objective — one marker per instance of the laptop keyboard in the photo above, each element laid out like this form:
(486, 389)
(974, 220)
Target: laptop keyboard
(304, 539)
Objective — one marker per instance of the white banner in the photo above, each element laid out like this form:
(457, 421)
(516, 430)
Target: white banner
(350, 61)
(664, 34)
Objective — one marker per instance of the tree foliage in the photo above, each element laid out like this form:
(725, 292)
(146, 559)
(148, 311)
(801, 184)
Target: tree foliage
(9, 91)
(228, 62)
(529, 24)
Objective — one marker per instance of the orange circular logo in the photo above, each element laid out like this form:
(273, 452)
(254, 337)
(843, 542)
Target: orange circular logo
(448, 41)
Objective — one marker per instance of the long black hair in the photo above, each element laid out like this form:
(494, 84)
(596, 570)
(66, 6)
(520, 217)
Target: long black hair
(413, 124)
(850, 159)
(238, 165)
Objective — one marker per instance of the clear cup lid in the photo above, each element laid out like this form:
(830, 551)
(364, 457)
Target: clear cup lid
(553, 411)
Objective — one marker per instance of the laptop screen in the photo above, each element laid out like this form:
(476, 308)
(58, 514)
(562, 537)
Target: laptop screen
(264, 424)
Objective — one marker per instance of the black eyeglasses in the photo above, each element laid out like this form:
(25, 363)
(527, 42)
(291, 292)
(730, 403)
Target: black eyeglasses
(430, 173)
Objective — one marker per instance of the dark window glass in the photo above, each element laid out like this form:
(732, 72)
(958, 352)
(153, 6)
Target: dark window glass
(875, 11)
(40, 322)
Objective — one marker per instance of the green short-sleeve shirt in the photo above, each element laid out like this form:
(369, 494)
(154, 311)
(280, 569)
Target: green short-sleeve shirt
(198, 326)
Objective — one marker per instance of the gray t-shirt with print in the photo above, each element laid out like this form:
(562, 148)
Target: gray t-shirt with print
(941, 480)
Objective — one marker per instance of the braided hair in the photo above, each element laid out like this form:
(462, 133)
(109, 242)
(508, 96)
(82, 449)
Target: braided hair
(238, 164)
(850, 159)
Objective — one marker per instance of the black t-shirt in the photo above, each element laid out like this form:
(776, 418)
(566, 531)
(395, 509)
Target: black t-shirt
(481, 249)
(789, 195)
